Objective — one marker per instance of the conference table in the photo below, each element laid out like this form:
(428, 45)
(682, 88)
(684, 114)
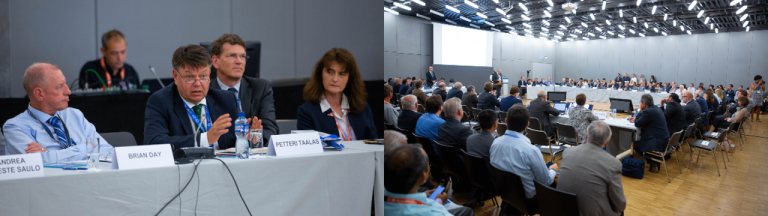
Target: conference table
(597, 95)
(329, 183)
(623, 133)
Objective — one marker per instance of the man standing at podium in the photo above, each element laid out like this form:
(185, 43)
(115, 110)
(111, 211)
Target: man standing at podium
(496, 79)
(430, 77)
(254, 94)
(110, 70)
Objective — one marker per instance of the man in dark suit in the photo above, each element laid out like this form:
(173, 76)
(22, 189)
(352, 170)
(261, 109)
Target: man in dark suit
(487, 100)
(431, 77)
(254, 94)
(673, 113)
(396, 85)
(469, 99)
(169, 116)
(480, 143)
(626, 78)
(618, 78)
(496, 79)
(455, 91)
(511, 100)
(404, 87)
(703, 107)
(440, 90)
(541, 110)
(691, 108)
(413, 87)
(452, 132)
(655, 134)
(408, 117)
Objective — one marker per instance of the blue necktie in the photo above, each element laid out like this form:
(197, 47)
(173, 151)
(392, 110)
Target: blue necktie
(233, 90)
(56, 123)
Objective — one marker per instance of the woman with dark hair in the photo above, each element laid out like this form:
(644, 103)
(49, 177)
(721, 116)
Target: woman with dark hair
(653, 79)
(758, 89)
(336, 96)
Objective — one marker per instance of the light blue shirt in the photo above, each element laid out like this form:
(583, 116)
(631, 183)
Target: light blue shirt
(434, 208)
(23, 129)
(514, 153)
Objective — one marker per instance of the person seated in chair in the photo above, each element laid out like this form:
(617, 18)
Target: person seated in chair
(655, 135)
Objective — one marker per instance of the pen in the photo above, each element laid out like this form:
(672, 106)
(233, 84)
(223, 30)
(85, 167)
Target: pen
(75, 168)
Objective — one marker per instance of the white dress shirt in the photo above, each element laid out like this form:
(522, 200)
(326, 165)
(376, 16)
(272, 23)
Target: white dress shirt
(204, 124)
(340, 119)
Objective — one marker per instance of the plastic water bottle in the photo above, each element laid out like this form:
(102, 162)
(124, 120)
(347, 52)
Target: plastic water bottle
(614, 113)
(241, 131)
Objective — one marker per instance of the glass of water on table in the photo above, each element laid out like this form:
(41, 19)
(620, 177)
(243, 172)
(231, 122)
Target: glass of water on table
(92, 152)
(257, 143)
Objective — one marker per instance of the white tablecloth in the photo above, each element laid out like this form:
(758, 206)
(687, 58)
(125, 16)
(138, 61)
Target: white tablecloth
(329, 183)
(597, 95)
(378, 182)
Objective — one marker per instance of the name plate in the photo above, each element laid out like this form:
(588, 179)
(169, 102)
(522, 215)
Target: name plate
(21, 166)
(144, 156)
(634, 90)
(601, 115)
(295, 144)
(594, 87)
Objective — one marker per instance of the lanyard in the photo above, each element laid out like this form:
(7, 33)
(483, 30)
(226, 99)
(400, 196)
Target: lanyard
(67, 136)
(197, 120)
(404, 201)
(512, 135)
(345, 136)
(109, 77)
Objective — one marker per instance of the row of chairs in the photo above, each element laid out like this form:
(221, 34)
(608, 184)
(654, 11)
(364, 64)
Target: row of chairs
(478, 172)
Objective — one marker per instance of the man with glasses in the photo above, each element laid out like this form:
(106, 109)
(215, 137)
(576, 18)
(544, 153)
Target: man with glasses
(186, 113)
(254, 94)
(691, 108)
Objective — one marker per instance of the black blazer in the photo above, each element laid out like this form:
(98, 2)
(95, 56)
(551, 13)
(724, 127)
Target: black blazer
(470, 100)
(166, 120)
(430, 77)
(453, 133)
(486, 100)
(455, 93)
(520, 83)
(403, 89)
(541, 110)
(675, 117)
(256, 99)
(692, 112)
(309, 117)
(440, 92)
(655, 134)
(495, 77)
(407, 120)
(410, 90)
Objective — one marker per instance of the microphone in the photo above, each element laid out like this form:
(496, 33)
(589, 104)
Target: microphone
(156, 76)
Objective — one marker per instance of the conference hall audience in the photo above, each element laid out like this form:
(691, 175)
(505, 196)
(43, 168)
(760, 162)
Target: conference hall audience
(413, 86)
(429, 123)
(456, 91)
(408, 116)
(655, 135)
(390, 114)
(405, 169)
(514, 153)
(511, 100)
(49, 126)
(541, 110)
(593, 174)
(673, 114)
(419, 93)
(487, 100)
(440, 90)
(396, 85)
(580, 117)
(469, 99)
(480, 143)
(336, 96)
(452, 132)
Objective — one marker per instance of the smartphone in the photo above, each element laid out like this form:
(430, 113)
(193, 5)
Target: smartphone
(437, 191)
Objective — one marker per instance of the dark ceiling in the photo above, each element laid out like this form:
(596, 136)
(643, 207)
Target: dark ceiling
(722, 16)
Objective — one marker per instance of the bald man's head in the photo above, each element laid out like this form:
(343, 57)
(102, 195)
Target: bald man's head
(46, 87)
(688, 96)
(35, 75)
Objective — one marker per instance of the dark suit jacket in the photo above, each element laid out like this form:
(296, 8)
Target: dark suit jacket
(675, 117)
(309, 117)
(692, 112)
(541, 110)
(704, 109)
(430, 77)
(455, 93)
(440, 92)
(166, 120)
(395, 89)
(654, 136)
(453, 133)
(403, 89)
(410, 90)
(470, 100)
(495, 76)
(619, 79)
(508, 102)
(520, 83)
(256, 100)
(486, 100)
(407, 120)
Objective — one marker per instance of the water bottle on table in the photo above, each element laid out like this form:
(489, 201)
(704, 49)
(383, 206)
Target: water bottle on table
(614, 113)
(241, 131)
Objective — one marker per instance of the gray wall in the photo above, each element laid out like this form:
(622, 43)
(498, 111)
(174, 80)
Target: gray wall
(294, 33)
(724, 58)
(408, 52)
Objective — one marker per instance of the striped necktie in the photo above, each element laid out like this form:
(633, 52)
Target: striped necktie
(233, 90)
(62, 139)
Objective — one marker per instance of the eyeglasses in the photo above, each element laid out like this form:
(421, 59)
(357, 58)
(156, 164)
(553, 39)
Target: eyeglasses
(233, 56)
(190, 79)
